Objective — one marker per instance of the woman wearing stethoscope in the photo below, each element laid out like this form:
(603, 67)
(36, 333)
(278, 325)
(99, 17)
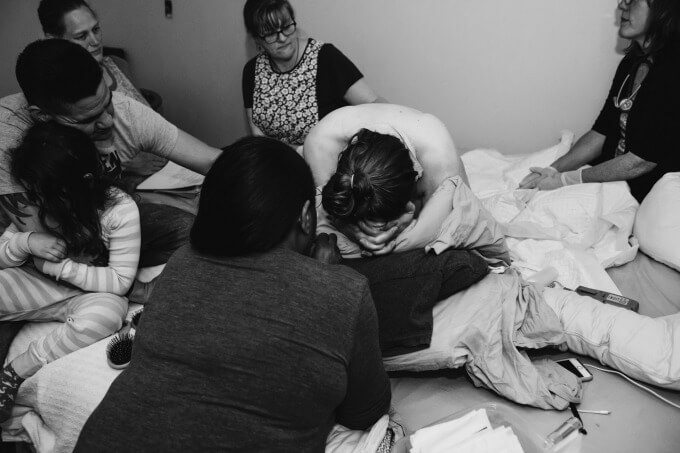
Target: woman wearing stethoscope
(636, 137)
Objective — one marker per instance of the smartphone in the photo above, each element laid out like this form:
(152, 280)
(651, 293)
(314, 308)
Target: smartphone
(576, 367)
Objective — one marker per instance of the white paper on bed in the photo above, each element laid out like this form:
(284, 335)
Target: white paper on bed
(580, 230)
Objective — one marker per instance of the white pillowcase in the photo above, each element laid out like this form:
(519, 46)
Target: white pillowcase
(657, 224)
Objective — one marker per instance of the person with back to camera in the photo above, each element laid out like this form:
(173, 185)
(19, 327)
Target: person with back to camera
(253, 339)
(294, 82)
(76, 21)
(633, 138)
(83, 213)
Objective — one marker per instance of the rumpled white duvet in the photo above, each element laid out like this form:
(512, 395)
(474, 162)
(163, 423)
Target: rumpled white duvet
(578, 230)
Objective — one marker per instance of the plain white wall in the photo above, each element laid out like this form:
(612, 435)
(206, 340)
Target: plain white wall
(503, 74)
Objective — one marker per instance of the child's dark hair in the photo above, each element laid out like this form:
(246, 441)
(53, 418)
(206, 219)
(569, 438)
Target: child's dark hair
(374, 179)
(60, 169)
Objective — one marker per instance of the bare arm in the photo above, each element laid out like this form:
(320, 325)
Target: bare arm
(322, 147)
(437, 155)
(193, 154)
(621, 168)
(586, 148)
(254, 130)
(360, 93)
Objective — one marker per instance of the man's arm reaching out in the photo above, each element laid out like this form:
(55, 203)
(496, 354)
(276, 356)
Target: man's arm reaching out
(193, 154)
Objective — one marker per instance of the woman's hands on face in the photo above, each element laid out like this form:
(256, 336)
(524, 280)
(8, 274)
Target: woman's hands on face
(325, 249)
(378, 238)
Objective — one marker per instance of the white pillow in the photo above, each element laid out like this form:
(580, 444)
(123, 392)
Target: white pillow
(657, 224)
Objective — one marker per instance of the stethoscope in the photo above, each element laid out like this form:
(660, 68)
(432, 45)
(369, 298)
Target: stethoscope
(627, 103)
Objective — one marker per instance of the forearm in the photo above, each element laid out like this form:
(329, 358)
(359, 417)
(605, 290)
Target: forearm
(14, 249)
(360, 93)
(124, 241)
(621, 168)
(193, 154)
(585, 150)
(254, 129)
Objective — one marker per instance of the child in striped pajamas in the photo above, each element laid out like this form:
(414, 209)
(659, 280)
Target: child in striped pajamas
(80, 266)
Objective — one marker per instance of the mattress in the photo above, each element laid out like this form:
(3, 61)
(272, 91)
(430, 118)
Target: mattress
(638, 422)
(653, 284)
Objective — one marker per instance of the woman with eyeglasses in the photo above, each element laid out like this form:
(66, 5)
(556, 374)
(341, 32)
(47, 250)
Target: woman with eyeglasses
(634, 138)
(294, 81)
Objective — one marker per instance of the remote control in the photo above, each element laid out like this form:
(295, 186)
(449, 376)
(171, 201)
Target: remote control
(609, 298)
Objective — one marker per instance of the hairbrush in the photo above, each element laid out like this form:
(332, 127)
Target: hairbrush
(134, 322)
(119, 351)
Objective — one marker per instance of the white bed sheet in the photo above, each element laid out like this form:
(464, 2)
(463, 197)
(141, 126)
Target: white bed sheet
(579, 241)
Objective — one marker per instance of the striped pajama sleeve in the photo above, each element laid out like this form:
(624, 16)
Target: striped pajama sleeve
(122, 234)
(13, 247)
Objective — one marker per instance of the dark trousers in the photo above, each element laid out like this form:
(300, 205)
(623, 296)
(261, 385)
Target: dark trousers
(405, 286)
(164, 230)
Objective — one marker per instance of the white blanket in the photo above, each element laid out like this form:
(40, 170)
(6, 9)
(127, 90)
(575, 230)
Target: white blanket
(578, 238)
(579, 230)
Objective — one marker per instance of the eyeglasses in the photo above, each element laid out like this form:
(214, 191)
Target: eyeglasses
(628, 2)
(286, 30)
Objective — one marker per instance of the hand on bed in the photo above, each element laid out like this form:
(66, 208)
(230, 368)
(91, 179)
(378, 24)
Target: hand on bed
(546, 178)
(325, 249)
(531, 180)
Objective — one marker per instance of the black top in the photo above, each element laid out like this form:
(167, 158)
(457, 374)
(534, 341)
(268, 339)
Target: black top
(335, 75)
(258, 353)
(652, 120)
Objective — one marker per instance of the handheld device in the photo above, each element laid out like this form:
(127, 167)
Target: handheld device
(609, 298)
(576, 367)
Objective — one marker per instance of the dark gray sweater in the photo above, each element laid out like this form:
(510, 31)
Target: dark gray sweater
(258, 353)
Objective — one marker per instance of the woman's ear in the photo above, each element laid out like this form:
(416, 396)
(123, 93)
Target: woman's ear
(308, 218)
(38, 114)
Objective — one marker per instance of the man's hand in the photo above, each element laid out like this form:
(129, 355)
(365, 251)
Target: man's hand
(47, 247)
(145, 164)
(325, 249)
(533, 179)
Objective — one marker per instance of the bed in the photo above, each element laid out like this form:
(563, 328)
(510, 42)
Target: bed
(53, 404)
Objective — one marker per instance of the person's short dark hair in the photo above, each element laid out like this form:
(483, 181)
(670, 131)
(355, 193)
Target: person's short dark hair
(374, 179)
(54, 72)
(262, 16)
(251, 198)
(51, 14)
(663, 30)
